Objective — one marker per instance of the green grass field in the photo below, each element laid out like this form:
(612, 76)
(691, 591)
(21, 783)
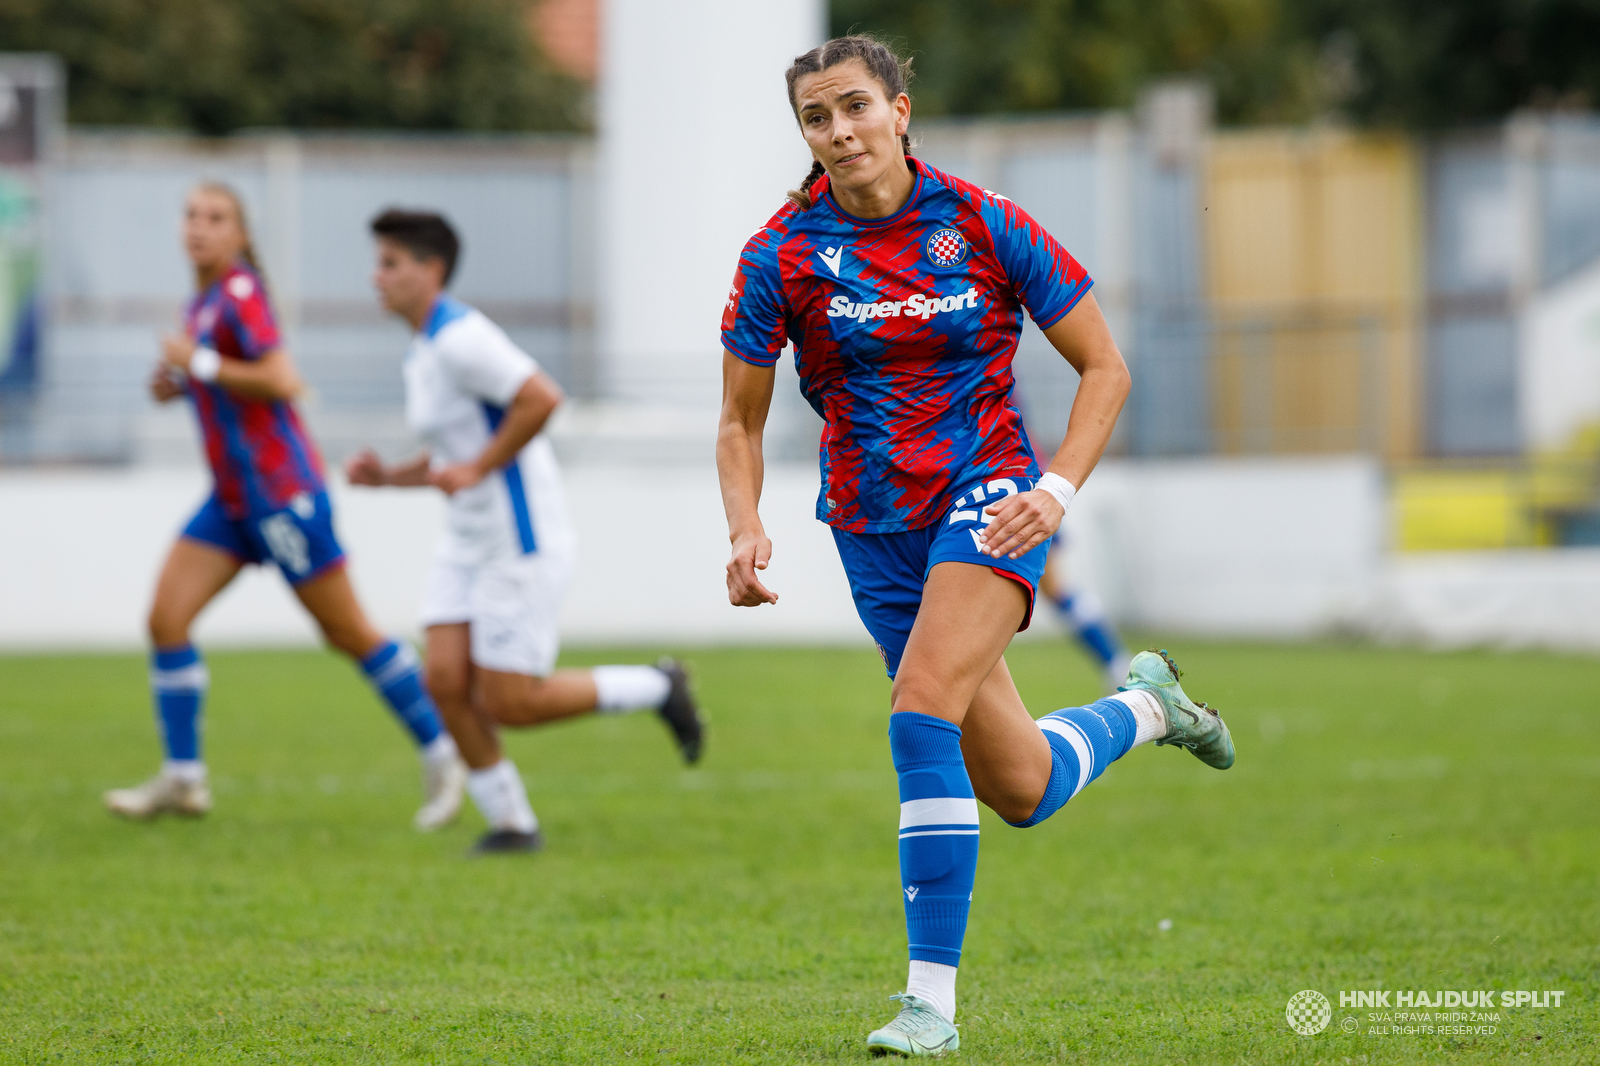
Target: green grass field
(1395, 820)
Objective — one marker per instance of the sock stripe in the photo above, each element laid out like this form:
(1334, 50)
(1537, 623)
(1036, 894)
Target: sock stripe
(182, 679)
(1069, 731)
(941, 810)
(397, 667)
(939, 833)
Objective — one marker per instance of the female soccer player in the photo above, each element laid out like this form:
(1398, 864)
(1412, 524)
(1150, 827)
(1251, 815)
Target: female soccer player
(903, 289)
(268, 504)
(504, 564)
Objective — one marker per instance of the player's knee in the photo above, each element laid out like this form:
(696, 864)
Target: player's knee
(512, 705)
(166, 627)
(920, 693)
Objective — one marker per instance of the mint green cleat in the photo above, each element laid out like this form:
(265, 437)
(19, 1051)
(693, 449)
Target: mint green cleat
(1189, 724)
(917, 1030)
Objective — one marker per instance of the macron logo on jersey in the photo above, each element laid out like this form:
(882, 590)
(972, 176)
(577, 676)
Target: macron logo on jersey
(919, 305)
(833, 257)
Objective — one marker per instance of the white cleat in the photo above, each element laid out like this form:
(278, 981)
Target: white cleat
(162, 794)
(444, 783)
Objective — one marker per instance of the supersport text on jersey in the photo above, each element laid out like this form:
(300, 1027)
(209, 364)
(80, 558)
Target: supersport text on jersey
(904, 330)
(260, 454)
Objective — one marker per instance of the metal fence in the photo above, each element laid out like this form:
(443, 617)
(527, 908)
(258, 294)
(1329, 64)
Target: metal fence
(116, 278)
(1179, 225)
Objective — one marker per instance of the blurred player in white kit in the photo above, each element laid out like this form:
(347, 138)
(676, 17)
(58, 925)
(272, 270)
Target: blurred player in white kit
(494, 591)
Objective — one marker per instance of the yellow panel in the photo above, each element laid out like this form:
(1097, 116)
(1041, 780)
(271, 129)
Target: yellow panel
(1255, 233)
(1462, 510)
(1313, 262)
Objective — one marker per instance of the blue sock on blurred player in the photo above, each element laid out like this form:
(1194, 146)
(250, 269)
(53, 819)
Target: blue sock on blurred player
(1083, 742)
(938, 850)
(1082, 612)
(178, 682)
(395, 673)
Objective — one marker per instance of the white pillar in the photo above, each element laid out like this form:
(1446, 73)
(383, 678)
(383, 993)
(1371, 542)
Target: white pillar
(697, 147)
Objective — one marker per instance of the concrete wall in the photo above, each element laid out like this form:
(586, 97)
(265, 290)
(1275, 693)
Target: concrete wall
(1274, 549)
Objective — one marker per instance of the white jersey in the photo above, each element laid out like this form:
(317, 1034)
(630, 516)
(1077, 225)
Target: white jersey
(461, 373)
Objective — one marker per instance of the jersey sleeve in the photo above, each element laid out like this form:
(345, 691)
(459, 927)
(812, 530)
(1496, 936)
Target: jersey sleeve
(755, 317)
(249, 315)
(484, 361)
(1044, 276)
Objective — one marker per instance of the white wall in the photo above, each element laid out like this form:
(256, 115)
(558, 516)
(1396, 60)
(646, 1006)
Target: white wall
(79, 554)
(1274, 549)
(1246, 547)
(1559, 364)
(697, 146)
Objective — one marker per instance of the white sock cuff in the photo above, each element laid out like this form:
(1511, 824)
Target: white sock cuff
(1147, 712)
(936, 983)
(630, 688)
(502, 798)
(191, 771)
(439, 749)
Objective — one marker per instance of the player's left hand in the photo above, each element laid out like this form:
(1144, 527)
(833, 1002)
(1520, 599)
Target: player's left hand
(1020, 523)
(177, 349)
(452, 479)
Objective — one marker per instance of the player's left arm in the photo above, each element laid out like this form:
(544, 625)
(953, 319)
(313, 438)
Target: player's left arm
(530, 408)
(1022, 522)
(271, 376)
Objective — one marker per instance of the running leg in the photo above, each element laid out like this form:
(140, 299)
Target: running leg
(190, 578)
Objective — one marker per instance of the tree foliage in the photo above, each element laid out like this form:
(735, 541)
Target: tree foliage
(220, 65)
(1445, 62)
(1410, 62)
(974, 56)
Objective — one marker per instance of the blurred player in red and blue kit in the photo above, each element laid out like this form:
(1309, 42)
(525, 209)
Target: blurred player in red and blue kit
(269, 504)
(902, 290)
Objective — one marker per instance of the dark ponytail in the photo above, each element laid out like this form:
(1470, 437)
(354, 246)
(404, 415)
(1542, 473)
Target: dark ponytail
(892, 72)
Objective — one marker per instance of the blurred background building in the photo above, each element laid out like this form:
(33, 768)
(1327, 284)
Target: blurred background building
(1358, 283)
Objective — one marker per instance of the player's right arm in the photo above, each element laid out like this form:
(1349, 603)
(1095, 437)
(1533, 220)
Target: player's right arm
(754, 331)
(365, 468)
(746, 398)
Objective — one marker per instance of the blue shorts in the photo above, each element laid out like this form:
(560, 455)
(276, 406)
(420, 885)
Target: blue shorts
(298, 538)
(887, 570)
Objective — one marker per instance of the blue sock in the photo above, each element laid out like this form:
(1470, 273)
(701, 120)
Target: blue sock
(394, 672)
(1083, 742)
(938, 834)
(178, 682)
(1082, 612)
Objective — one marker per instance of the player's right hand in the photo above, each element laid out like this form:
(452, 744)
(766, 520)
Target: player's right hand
(364, 468)
(164, 384)
(751, 552)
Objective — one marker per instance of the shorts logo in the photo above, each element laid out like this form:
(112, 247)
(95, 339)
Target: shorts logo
(286, 542)
(946, 247)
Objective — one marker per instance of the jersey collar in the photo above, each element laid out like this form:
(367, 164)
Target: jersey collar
(911, 201)
(445, 310)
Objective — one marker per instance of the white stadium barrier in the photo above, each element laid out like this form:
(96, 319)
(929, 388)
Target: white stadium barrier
(1270, 549)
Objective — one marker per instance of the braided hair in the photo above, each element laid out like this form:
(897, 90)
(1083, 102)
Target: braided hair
(890, 70)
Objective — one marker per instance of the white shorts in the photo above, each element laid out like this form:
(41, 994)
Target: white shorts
(511, 606)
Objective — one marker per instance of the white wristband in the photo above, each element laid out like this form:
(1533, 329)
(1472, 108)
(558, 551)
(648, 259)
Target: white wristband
(1057, 486)
(205, 364)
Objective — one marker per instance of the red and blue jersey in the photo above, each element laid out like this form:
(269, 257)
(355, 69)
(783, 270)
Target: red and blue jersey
(260, 454)
(904, 329)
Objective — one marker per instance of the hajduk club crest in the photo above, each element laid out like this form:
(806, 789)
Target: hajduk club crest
(946, 247)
